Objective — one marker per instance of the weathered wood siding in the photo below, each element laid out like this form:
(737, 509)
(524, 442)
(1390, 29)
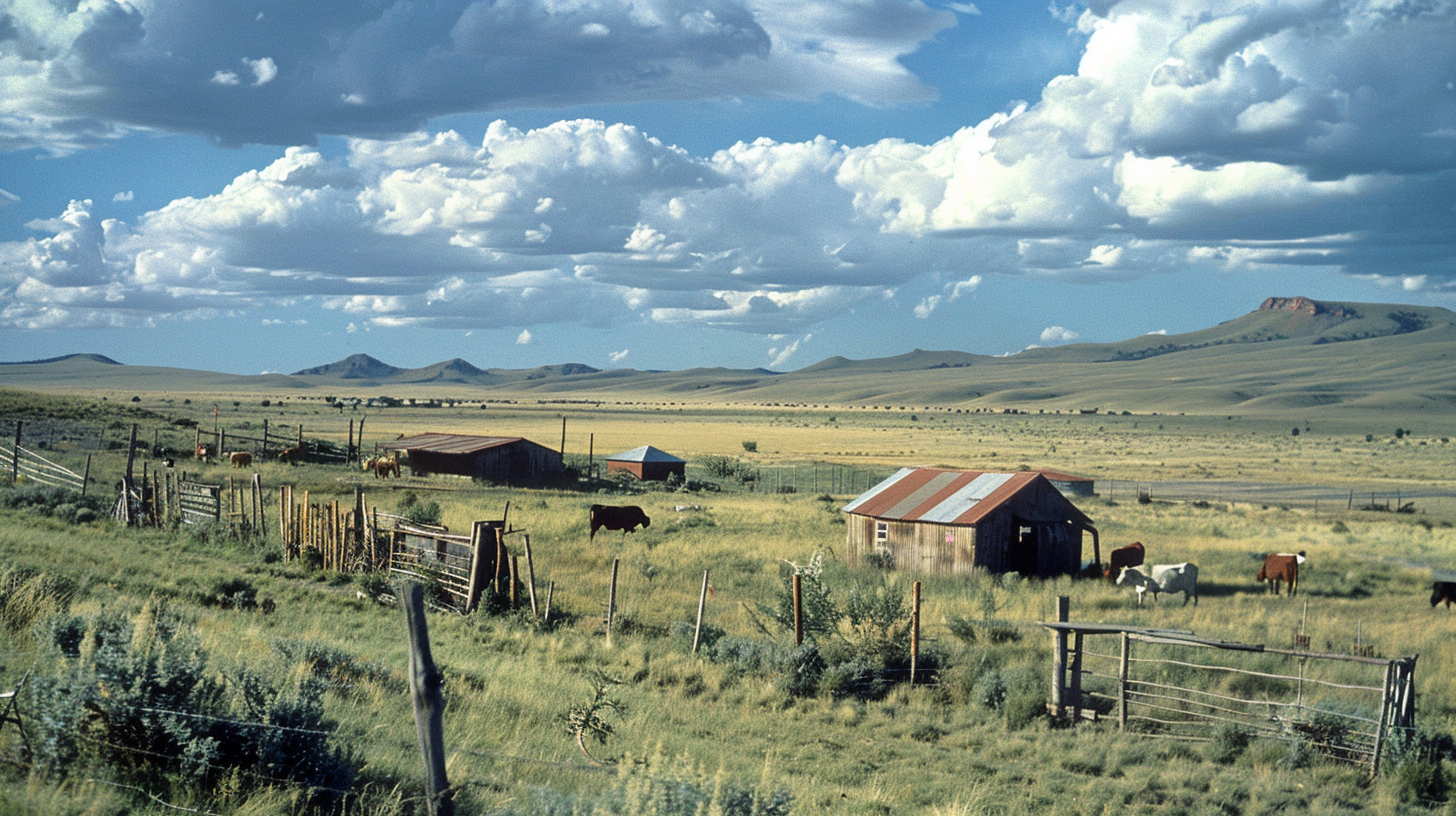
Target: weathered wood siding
(995, 544)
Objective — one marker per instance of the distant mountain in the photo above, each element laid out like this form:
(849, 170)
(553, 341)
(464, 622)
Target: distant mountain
(353, 367)
(96, 358)
(1289, 355)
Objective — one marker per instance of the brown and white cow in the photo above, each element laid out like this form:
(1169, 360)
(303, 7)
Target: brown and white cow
(1122, 558)
(204, 451)
(625, 518)
(384, 468)
(241, 459)
(1282, 568)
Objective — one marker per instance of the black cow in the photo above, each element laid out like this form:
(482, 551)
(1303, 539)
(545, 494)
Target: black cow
(1443, 591)
(626, 518)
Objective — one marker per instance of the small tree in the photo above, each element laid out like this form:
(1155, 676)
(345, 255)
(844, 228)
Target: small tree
(589, 719)
(820, 615)
(751, 447)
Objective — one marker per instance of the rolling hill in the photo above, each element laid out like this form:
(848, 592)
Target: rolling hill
(1290, 354)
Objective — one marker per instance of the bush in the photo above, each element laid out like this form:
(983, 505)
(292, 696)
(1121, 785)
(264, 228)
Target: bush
(1414, 759)
(419, 512)
(135, 696)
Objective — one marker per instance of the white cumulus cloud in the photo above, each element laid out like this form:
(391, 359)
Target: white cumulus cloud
(1058, 334)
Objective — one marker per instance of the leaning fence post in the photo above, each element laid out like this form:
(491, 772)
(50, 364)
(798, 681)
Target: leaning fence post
(550, 590)
(612, 600)
(531, 577)
(702, 602)
(429, 703)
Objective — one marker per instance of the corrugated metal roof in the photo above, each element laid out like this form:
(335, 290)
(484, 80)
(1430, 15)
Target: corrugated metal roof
(646, 453)
(449, 443)
(939, 496)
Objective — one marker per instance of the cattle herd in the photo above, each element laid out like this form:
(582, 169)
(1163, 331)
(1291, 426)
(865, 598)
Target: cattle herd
(1125, 568)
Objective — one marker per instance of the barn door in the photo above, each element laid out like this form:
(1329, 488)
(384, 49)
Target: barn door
(1025, 551)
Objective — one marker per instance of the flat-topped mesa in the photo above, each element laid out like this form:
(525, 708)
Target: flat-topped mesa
(1306, 305)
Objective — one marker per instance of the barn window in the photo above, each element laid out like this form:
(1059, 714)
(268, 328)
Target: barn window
(882, 533)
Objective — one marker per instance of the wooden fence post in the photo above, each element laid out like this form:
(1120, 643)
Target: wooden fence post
(86, 478)
(515, 595)
(477, 566)
(702, 602)
(546, 613)
(531, 577)
(798, 610)
(1059, 657)
(429, 703)
(914, 630)
(15, 454)
(1387, 703)
(612, 600)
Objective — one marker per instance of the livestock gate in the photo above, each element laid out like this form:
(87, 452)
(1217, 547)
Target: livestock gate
(1175, 684)
(462, 568)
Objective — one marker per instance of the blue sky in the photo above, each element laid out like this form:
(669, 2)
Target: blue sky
(265, 186)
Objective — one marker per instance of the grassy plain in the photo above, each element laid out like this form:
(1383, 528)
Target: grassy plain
(930, 749)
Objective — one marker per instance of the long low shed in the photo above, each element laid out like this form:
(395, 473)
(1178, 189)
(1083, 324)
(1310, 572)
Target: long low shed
(489, 458)
(930, 520)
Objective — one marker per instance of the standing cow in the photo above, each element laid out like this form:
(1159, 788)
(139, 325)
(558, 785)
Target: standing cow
(241, 459)
(626, 518)
(1163, 578)
(292, 455)
(1123, 557)
(1282, 568)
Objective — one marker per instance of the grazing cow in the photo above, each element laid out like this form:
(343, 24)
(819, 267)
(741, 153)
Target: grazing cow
(204, 452)
(292, 455)
(1282, 568)
(241, 459)
(1163, 578)
(1443, 591)
(384, 468)
(625, 518)
(1123, 557)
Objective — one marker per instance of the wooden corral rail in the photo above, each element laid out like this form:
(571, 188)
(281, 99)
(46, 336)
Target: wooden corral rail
(18, 463)
(1176, 684)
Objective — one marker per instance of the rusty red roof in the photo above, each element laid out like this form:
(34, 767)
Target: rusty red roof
(940, 496)
(449, 443)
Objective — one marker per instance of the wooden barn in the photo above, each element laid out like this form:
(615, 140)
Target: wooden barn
(928, 520)
(648, 464)
(488, 458)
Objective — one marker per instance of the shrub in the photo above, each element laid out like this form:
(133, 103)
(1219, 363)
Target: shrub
(819, 613)
(136, 696)
(750, 447)
(427, 512)
(991, 690)
(1413, 758)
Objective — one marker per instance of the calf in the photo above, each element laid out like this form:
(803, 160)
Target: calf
(1282, 568)
(1443, 591)
(1163, 578)
(1123, 557)
(625, 518)
(241, 459)
(204, 452)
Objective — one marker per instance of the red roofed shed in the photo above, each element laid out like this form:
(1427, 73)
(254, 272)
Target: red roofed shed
(929, 520)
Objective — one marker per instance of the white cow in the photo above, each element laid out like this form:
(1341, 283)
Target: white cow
(1162, 578)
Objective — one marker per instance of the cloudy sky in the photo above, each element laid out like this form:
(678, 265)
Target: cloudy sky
(250, 185)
